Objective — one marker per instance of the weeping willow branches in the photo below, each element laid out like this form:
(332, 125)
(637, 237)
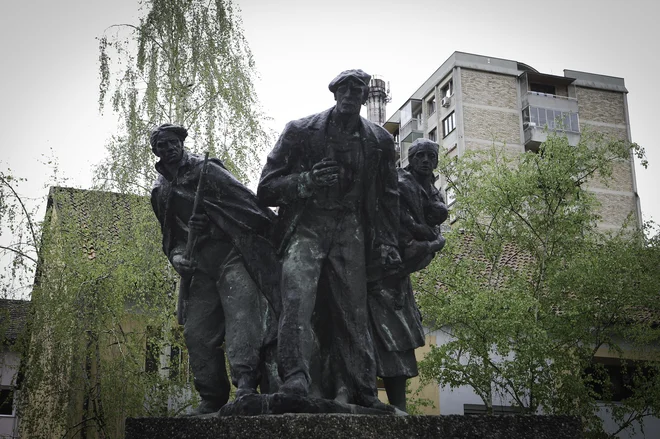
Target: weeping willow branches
(186, 62)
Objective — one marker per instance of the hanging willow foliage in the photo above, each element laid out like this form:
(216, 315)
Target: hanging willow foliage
(102, 343)
(186, 62)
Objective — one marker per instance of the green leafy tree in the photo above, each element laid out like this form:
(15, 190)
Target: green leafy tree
(99, 286)
(530, 292)
(186, 62)
(102, 318)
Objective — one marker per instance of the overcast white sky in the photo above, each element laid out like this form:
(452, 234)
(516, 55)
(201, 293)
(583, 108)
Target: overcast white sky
(49, 79)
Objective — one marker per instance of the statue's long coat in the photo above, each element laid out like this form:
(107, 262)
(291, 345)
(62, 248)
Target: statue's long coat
(398, 326)
(303, 144)
(232, 208)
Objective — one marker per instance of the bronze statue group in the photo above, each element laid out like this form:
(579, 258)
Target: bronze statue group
(316, 300)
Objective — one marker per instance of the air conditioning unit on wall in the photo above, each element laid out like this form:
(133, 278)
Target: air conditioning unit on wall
(445, 102)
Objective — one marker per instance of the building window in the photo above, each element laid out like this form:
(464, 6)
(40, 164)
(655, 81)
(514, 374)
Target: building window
(433, 135)
(554, 119)
(430, 106)
(448, 124)
(418, 116)
(152, 355)
(613, 380)
(450, 196)
(543, 88)
(179, 364)
(447, 90)
(406, 113)
(7, 402)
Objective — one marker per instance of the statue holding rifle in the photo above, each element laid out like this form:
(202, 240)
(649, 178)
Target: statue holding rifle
(214, 234)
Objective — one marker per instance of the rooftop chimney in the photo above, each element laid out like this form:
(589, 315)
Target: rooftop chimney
(379, 96)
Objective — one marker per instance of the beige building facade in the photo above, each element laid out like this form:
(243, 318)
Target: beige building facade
(472, 101)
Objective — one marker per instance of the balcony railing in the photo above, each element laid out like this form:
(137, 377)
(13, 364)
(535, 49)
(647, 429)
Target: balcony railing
(535, 135)
(548, 95)
(412, 126)
(545, 100)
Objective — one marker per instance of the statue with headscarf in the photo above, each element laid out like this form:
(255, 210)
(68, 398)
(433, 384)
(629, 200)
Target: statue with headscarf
(395, 318)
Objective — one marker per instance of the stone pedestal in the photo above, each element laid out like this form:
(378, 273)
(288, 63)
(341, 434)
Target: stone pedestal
(347, 426)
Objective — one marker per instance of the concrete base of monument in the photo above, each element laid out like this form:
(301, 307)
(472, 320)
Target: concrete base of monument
(279, 404)
(347, 426)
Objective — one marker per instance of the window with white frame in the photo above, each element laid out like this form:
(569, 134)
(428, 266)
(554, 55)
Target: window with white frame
(447, 90)
(449, 124)
(450, 196)
(554, 119)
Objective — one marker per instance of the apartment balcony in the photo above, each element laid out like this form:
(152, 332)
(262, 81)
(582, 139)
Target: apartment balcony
(535, 135)
(548, 91)
(539, 121)
(411, 121)
(546, 100)
(411, 131)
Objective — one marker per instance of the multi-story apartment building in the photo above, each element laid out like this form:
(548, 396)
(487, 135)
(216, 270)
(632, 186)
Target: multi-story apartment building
(472, 101)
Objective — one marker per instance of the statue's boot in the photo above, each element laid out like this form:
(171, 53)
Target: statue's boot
(247, 385)
(376, 403)
(206, 407)
(295, 385)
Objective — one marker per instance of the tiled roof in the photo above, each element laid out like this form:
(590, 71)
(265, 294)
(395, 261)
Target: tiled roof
(96, 216)
(646, 315)
(511, 256)
(16, 312)
(467, 248)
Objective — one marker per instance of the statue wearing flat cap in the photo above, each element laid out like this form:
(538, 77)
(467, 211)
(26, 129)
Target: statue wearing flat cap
(333, 177)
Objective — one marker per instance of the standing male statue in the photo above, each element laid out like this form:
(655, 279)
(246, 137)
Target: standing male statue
(396, 320)
(231, 266)
(332, 175)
